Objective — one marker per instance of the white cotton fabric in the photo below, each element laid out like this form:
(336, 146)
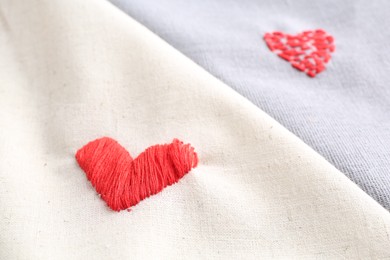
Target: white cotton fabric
(342, 113)
(72, 71)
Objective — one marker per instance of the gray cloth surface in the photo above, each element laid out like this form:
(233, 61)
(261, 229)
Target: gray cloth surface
(343, 113)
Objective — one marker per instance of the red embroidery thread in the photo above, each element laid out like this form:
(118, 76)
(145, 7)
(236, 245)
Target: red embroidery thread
(308, 51)
(123, 181)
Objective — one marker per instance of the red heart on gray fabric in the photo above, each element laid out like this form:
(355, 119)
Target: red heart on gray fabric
(308, 51)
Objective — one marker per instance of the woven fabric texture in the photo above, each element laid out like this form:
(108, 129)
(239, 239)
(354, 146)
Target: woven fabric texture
(72, 71)
(343, 113)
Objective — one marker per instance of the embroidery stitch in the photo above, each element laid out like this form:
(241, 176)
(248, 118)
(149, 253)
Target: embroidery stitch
(123, 181)
(308, 51)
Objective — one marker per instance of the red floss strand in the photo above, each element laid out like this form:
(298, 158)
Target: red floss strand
(123, 181)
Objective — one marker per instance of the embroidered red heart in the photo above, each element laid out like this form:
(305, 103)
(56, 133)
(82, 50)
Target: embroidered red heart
(308, 51)
(123, 181)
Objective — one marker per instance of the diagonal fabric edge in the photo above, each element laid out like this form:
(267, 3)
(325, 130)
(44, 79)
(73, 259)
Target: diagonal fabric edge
(73, 70)
(341, 114)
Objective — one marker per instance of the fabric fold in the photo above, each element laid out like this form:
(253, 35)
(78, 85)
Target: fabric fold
(72, 71)
(342, 114)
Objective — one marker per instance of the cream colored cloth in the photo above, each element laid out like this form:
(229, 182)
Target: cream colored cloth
(72, 71)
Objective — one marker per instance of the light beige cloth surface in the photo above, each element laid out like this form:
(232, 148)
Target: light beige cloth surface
(72, 71)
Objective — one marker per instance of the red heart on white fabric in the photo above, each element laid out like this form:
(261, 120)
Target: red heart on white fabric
(123, 181)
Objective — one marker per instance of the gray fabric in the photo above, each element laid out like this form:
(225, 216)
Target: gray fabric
(343, 113)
